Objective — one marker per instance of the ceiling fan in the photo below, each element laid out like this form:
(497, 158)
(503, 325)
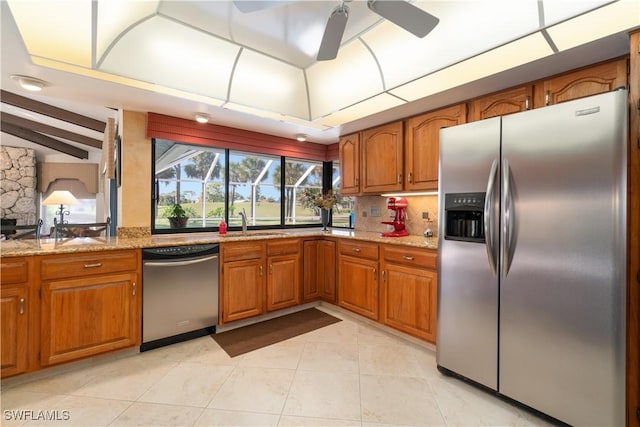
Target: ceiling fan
(400, 12)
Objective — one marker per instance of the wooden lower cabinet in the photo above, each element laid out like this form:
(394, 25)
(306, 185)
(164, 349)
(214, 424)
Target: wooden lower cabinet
(90, 304)
(86, 316)
(319, 270)
(242, 281)
(15, 306)
(358, 278)
(408, 297)
(252, 284)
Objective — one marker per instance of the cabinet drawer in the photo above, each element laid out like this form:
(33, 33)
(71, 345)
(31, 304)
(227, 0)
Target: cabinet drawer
(14, 270)
(283, 247)
(359, 249)
(242, 251)
(78, 265)
(410, 256)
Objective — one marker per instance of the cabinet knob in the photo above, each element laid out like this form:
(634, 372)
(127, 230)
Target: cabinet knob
(356, 249)
(407, 257)
(410, 177)
(21, 306)
(260, 271)
(375, 274)
(133, 289)
(270, 268)
(384, 276)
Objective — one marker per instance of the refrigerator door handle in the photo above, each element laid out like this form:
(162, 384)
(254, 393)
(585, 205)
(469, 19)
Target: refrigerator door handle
(490, 223)
(508, 219)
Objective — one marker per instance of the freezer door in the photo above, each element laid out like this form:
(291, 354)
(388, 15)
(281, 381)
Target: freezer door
(562, 296)
(467, 336)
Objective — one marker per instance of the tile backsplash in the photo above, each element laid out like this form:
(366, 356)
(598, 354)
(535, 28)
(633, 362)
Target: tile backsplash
(367, 207)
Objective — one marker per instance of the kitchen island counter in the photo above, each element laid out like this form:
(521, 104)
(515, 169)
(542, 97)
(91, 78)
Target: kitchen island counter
(12, 248)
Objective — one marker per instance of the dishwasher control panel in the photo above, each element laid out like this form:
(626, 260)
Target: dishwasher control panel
(169, 252)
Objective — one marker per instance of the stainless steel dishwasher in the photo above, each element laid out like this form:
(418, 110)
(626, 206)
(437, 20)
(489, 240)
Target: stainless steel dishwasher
(180, 294)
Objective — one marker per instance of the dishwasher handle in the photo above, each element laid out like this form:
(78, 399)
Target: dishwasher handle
(168, 263)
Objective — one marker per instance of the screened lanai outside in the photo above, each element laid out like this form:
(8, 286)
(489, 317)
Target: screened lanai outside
(192, 176)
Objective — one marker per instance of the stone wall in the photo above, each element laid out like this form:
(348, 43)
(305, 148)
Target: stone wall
(18, 184)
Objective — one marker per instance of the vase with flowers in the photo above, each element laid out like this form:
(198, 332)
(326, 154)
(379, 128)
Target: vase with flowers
(324, 201)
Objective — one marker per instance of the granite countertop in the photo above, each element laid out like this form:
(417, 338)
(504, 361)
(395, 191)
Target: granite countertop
(9, 248)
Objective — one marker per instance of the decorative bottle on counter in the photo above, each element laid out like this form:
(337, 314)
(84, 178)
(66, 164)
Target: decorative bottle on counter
(223, 227)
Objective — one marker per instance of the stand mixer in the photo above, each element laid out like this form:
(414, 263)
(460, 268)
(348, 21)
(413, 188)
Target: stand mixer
(399, 205)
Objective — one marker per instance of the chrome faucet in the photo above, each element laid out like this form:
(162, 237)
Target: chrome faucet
(243, 214)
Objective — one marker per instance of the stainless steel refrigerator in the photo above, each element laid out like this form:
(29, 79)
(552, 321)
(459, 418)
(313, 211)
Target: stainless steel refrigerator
(532, 257)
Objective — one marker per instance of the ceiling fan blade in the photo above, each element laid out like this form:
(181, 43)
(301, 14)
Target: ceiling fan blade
(333, 33)
(248, 6)
(404, 14)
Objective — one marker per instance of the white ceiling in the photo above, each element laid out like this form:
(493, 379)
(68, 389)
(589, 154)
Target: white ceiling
(258, 71)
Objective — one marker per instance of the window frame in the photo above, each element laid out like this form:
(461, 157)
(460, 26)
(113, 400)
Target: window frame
(327, 173)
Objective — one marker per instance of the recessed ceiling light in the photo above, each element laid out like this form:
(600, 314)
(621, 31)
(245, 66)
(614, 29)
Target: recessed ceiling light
(29, 83)
(202, 118)
(302, 137)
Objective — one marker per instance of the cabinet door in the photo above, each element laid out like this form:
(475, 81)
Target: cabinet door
(382, 158)
(311, 270)
(349, 147)
(14, 329)
(327, 272)
(283, 282)
(422, 146)
(408, 300)
(242, 289)
(586, 82)
(358, 286)
(502, 103)
(87, 316)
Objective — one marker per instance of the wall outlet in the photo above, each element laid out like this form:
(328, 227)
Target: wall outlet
(425, 215)
(375, 211)
(364, 214)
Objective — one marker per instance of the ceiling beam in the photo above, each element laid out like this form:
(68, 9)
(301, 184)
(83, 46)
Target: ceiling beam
(49, 130)
(38, 138)
(51, 111)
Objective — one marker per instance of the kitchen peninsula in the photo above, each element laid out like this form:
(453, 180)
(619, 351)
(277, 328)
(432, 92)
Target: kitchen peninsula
(71, 299)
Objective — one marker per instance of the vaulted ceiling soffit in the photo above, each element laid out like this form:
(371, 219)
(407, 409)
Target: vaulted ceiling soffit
(264, 62)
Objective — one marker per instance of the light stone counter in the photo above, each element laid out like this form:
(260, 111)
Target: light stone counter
(12, 248)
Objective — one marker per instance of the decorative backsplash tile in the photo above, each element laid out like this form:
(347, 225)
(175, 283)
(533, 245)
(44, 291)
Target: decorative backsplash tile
(366, 207)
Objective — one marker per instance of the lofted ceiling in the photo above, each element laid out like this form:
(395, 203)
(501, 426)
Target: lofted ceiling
(258, 70)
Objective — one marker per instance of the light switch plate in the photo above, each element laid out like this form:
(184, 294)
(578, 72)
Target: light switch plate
(375, 211)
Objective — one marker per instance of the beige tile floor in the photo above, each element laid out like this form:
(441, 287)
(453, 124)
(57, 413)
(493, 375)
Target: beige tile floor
(351, 373)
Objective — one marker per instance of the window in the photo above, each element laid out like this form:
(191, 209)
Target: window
(85, 212)
(345, 205)
(193, 177)
(254, 187)
(213, 184)
(303, 181)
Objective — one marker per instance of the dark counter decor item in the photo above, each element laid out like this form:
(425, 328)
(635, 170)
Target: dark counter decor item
(177, 215)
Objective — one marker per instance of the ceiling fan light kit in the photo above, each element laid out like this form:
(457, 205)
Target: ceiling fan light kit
(301, 137)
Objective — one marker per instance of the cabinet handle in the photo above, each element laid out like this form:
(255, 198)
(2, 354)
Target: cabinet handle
(357, 181)
(407, 257)
(133, 289)
(410, 177)
(384, 276)
(546, 98)
(21, 306)
(260, 271)
(356, 249)
(94, 265)
(399, 178)
(270, 268)
(526, 102)
(375, 274)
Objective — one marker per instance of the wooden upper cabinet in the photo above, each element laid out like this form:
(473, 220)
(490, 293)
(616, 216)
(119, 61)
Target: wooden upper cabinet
(349, 147)
(422, 146)
(382, 158)
(579, 84)
(502, 103)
